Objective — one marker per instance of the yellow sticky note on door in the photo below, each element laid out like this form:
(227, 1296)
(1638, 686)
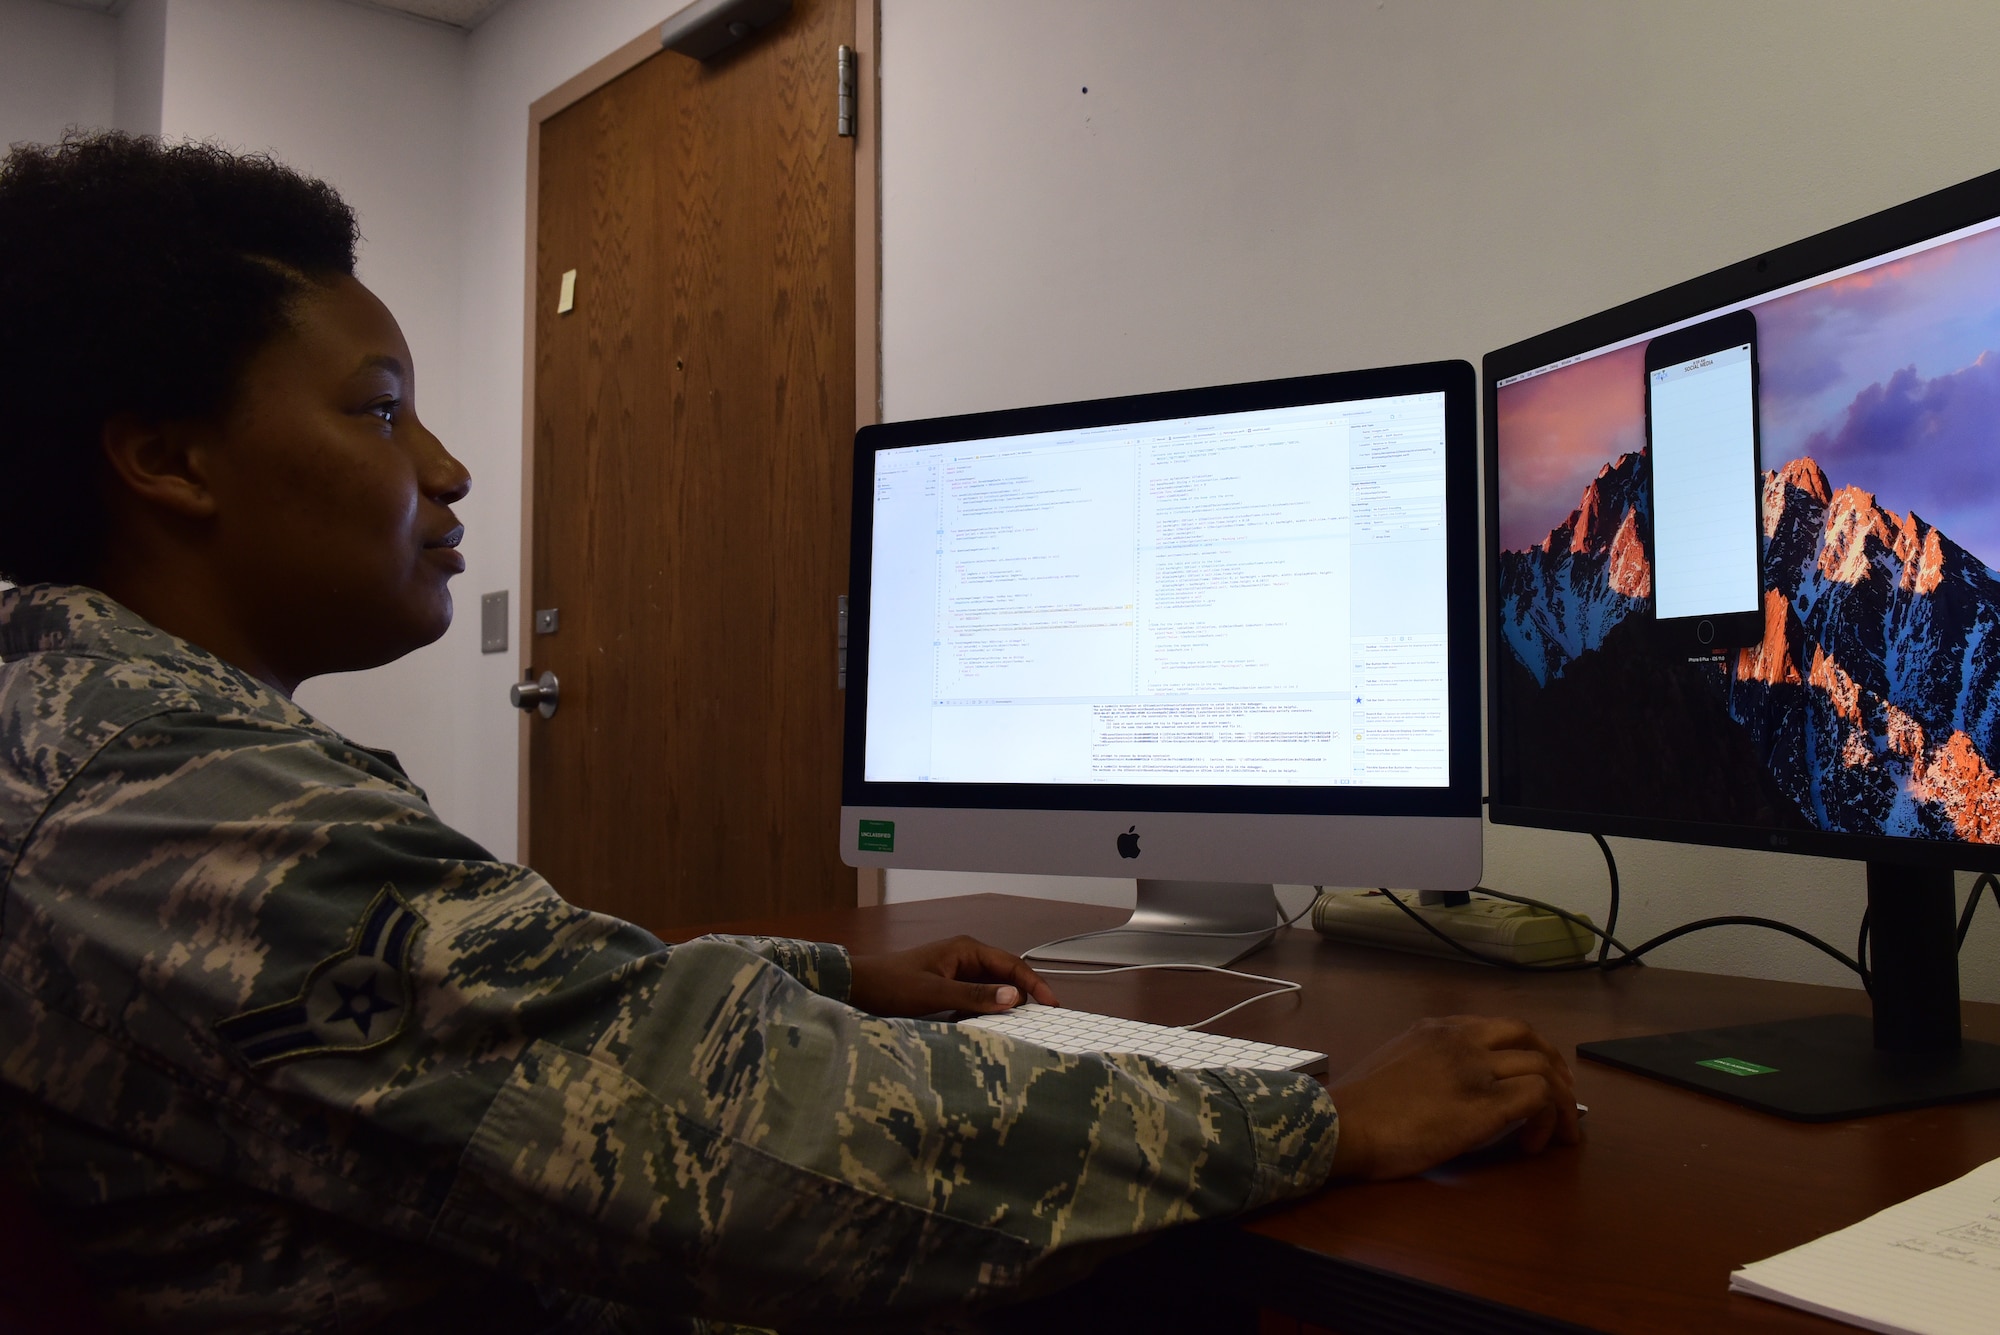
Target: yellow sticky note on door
(566, 300)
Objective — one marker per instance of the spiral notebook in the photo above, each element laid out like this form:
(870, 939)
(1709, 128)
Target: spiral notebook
(1930, 1266)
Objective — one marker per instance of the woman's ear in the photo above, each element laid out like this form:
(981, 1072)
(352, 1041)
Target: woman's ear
(160, 464)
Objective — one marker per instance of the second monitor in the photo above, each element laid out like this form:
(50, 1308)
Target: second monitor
(1214, 639)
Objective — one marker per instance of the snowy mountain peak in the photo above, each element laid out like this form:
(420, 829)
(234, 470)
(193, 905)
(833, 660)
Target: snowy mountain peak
(1562, 595)
(1775, 660)
(1873, 699)
(1808, 477)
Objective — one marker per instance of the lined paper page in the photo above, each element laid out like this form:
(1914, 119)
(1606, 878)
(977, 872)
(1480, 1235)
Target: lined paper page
(1930, 1266)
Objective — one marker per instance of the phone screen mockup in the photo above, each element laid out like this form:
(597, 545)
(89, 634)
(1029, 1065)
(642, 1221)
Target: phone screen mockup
(1701, 417)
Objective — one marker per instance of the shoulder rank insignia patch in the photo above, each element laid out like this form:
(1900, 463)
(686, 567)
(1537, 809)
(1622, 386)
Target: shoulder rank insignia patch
(351, 1002)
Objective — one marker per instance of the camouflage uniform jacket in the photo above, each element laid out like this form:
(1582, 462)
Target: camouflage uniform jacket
(281, 1050)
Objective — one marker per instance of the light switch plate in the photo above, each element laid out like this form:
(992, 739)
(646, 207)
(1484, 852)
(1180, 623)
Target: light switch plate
(493, 622)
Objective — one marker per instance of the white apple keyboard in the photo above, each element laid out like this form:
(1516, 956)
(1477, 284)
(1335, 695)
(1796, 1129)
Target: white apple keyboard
(1076, 1031)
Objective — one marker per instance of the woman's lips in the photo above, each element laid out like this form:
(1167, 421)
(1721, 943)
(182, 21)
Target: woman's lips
(444, 551)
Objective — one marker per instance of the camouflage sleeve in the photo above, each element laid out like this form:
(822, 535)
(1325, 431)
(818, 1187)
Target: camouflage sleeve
(792, 1159)
(820, 966)
(308, 984)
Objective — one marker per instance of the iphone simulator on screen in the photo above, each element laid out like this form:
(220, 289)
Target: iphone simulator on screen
(1701, 433)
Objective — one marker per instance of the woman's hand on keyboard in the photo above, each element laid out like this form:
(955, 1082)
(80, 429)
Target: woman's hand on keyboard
(1447, 1086)
(956, 975)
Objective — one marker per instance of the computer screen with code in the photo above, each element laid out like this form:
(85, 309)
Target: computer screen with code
(1250, 598)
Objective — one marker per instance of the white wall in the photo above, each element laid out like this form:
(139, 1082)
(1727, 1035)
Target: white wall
(58, 68)
(142, 66)
(1263, 189)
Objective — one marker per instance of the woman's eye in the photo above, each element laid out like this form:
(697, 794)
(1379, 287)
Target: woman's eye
(386, 409)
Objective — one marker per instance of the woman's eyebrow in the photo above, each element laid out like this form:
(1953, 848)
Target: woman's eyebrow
(383, 361)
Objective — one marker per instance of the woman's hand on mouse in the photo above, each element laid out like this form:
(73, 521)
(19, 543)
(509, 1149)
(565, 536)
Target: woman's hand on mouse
(960, 974)
(1446, 1086)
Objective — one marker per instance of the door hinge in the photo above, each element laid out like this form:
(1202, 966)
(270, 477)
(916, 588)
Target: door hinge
(840, 671)
(847, 106)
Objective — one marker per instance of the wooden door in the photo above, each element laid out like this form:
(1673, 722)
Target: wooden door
(693, 433)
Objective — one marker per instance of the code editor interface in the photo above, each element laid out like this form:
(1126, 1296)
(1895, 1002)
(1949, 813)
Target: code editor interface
(1252, 598)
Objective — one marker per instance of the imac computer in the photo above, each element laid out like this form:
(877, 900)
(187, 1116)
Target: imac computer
(1216, 640)
(1741, 548)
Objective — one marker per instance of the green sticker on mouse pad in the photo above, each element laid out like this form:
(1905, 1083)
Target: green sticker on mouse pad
(1736, 1066)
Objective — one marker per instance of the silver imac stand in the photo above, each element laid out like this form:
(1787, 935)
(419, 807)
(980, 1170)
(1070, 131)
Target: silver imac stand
(1180, 922)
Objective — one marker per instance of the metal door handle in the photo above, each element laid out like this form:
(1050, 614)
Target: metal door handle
(542, 695)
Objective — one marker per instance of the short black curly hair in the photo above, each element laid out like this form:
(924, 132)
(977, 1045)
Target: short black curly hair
(135, 277)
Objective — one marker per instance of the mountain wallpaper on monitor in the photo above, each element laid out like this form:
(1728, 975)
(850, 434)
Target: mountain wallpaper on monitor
(1871, 706)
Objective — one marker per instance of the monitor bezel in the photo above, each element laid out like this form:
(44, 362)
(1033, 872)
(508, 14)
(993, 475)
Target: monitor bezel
(1939, 213)
(1459, 797)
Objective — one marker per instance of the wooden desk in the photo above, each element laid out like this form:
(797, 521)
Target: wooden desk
(1635, 1231)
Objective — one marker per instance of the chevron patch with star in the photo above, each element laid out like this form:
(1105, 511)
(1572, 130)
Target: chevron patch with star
(353, 1001)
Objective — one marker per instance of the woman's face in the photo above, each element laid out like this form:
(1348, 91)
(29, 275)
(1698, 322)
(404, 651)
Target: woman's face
(332, 501)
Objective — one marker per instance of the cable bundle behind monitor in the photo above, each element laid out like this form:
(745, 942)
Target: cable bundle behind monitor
(1631, 955)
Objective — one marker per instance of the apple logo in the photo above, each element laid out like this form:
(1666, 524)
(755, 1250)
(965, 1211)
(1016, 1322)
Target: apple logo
(1128, 843)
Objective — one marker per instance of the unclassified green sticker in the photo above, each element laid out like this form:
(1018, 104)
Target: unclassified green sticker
(1727, 1065)
(878, 836)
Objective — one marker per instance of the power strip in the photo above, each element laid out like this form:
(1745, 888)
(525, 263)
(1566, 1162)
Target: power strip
(1493, 927)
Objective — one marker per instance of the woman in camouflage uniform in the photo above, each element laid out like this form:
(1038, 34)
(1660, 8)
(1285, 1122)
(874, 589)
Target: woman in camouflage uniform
(281, 1050)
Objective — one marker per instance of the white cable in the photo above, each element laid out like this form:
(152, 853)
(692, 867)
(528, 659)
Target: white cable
(1282, 985)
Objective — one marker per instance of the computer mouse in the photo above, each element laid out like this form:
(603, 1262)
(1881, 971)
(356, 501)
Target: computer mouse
(1507, 1132)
